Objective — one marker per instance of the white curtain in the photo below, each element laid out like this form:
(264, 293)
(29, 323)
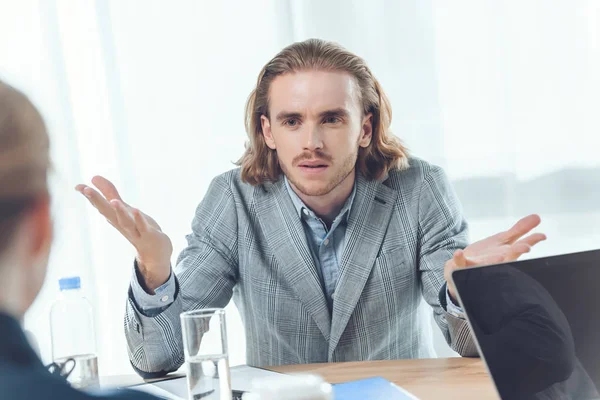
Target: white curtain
(503, 94)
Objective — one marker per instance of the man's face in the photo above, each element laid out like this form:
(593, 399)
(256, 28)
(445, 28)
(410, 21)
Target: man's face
(316, 125)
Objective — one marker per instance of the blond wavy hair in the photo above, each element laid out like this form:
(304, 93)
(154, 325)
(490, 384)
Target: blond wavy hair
(260, 163)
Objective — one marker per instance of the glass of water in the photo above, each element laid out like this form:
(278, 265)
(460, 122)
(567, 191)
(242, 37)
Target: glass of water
(206, 356)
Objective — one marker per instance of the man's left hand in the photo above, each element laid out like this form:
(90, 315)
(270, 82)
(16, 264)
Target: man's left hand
(502, 247)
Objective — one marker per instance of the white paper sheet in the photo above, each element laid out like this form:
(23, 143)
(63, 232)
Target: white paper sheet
(243, 375)
(152, 389)
(176, 389)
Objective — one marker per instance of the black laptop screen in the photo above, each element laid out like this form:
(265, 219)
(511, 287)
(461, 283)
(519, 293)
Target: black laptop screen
(537, 323)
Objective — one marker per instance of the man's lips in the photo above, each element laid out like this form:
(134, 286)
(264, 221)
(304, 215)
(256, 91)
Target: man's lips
(313, 164)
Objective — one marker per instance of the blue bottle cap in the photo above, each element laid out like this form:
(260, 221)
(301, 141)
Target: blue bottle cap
(72, 282)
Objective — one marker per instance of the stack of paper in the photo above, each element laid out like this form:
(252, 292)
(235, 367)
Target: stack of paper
(176, 389)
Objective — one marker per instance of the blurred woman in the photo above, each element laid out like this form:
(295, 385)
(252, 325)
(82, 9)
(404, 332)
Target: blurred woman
(25, 241)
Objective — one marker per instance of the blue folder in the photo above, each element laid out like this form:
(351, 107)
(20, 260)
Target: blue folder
(372, 389)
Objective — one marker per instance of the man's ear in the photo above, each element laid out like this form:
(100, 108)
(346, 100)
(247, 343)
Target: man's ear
(366, 133)
(267, 133)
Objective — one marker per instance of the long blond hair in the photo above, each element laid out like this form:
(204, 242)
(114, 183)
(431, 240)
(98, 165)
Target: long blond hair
(260, 163)
(24, 159)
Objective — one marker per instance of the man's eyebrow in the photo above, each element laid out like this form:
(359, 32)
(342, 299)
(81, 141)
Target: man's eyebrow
(283, 115)
(336, 112)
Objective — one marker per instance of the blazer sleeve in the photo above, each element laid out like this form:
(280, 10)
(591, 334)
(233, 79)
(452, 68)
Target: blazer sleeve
(205, 275)
(442, 231)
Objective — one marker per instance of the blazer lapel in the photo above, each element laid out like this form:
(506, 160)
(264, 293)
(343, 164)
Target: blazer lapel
(369, 218)
(285, 234)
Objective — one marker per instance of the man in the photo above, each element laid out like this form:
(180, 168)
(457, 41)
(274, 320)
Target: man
(25, 241)
(326, 236)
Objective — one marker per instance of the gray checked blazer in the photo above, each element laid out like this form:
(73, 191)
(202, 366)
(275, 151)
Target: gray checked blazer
(248, 242)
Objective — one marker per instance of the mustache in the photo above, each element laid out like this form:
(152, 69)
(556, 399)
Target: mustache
(316, 155)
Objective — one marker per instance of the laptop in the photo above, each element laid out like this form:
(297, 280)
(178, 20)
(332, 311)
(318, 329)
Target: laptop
(536, 324)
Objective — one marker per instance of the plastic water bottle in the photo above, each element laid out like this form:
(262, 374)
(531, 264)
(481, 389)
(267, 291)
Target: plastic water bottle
(72, 331)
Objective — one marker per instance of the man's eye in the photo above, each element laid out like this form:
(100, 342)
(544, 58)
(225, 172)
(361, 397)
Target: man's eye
(332, 120)
(291, 122)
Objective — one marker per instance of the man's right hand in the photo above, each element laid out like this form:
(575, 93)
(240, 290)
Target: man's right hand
(154, 248)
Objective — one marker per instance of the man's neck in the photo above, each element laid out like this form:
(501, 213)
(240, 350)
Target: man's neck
(329, 205)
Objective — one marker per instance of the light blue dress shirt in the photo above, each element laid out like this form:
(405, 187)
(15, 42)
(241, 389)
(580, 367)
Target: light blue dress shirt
(326, 245)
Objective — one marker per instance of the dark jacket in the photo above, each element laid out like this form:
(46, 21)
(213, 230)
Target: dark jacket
(24, 377)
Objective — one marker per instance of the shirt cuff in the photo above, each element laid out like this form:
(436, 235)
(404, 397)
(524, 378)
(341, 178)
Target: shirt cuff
(163, 297)
(452, 308)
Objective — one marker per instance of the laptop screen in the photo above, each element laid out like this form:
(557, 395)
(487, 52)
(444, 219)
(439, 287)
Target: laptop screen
(537, 324)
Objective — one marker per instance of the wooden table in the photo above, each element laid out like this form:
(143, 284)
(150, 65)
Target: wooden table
(436, 378)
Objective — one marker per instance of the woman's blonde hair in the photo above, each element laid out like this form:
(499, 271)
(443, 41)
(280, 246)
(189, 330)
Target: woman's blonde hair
(259, 163)
(24, 159)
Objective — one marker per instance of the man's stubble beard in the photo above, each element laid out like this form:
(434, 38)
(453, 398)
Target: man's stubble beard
(346, 169)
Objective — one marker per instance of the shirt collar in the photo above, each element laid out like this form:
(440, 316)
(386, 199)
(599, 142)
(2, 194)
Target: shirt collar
(300, 206)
